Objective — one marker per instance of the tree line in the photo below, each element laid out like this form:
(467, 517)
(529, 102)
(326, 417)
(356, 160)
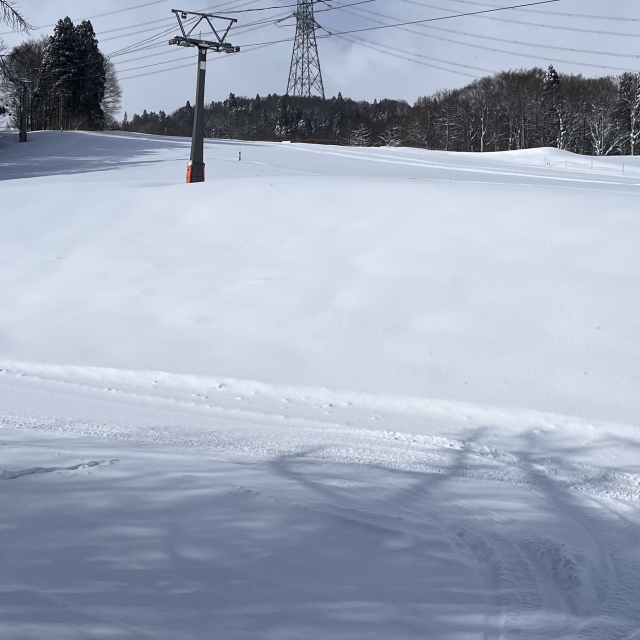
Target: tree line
(72, 85)
(508, 111)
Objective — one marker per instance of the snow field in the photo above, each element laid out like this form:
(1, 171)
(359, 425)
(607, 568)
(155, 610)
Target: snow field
(330, 393)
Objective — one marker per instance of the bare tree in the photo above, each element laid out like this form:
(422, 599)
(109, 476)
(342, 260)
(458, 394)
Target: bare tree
(10, 15)
(112, 100)
(605, 134)
(23, 61)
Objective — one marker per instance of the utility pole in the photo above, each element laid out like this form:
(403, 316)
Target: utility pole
(188, 21)
(24, 112)
(24, 108)
(305, 75)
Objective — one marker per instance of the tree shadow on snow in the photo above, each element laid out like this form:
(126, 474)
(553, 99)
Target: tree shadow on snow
(304, 546)
(59, 153)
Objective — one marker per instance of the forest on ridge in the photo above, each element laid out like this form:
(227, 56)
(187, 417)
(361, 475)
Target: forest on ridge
(508, 111)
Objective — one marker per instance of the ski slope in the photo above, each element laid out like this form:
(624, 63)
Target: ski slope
(331, 393)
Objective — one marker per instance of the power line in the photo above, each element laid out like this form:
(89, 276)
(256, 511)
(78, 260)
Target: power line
(165, 20)
(361, 42)
(503, 40)
(283, 6)
(188, 66)
(382, 26)
(146, 43)
(540, 46)
(458, 15)
(478, 46)
(385, 49)
(534, 24)
(555, 13)
(238, 11)
(170, 21)
(245, 29)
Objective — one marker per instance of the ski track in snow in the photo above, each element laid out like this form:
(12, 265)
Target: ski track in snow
(538, 586)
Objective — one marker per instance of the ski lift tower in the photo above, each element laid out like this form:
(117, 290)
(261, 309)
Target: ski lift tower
(188, 21)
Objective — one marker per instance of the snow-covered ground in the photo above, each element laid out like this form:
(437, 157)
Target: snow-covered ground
(6, 124)
(331, 393)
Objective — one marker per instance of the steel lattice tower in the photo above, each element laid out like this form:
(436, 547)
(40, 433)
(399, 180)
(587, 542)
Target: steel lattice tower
(305, 76)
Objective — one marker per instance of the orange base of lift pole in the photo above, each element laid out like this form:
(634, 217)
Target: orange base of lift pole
(195, 172)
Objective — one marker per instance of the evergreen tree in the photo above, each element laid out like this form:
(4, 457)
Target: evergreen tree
(74, 74)
(553, 127)
(283, 124)
(264, 120)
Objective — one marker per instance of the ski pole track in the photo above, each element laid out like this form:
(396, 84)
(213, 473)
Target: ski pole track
(13, 475)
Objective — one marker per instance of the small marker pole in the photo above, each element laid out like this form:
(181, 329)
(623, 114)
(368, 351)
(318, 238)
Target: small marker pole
(239, 156)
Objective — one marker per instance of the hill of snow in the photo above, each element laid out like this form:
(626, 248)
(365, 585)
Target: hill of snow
(331, 393)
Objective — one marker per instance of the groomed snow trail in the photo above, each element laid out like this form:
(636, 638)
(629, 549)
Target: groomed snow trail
(353, 421)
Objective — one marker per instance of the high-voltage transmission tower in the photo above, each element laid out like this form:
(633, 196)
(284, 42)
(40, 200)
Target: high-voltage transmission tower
(305, 76)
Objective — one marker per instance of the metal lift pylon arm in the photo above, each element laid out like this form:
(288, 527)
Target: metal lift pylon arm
(196, 166)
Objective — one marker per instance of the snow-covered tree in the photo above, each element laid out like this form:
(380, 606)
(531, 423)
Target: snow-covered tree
(603, 127)
(74, 75)
(392, 136)
(283, 124)
(628, 112)
(361, 136)
(555, 130)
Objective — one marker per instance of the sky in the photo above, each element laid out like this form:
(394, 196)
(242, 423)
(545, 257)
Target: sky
(591, 37)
